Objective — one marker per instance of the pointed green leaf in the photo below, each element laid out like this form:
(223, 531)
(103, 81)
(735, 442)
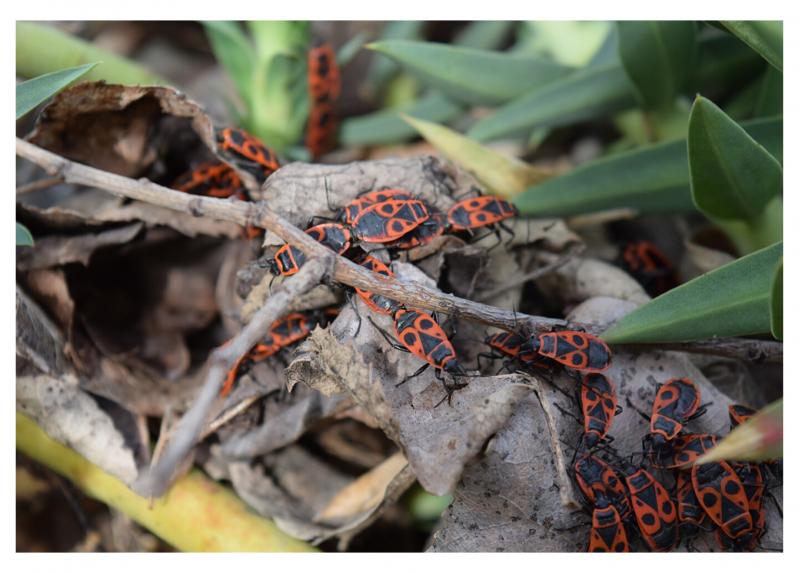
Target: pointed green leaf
(650, 179)
(33, 92)
(24, 237)
(759, 439)
(501, 174)
(732, 175)
(386, 126)
(236, 54)
(585, 94)
(766, 38)
(658, 58)
(776, 303)
(733, 300)
(469, 75)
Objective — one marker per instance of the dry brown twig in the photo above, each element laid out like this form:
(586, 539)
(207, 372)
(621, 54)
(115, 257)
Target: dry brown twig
(322, 263)
(221, 360)
(345, 271)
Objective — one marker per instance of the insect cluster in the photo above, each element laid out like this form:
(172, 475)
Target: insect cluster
(398, 221)
(654, 504)
(665, 499)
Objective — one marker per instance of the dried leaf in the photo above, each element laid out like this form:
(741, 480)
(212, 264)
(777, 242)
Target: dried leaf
(364, 493)
(437, 441)
(49, 393)
(94, 208)
(121, 128)
(52, 251)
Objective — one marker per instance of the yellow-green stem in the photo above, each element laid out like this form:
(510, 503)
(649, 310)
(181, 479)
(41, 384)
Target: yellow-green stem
(42, 49)
(197, 514)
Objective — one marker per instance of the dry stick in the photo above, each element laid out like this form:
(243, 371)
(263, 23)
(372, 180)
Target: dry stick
(156, 481)
(39, 184)
(752, 350)
(411, 294)
(257, 214)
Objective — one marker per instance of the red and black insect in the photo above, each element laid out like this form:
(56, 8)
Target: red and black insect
(510, 345)
(211, 180)
(321, 129)
(476, 212)
(324, 78)
(596, 478)
(686, 448)
(739, 414)
(650, 267)
(608, 532)
(427, 231)
(599, 406)
(677, 401)
(421, 335)
(289, 259)
(418, 332)
(282, 333)
(654, 510)
(247, 152)
(350, 211)
(722, 495)
(377, 303)
(324, 86)
(389, 220)
(753, 482)
(691, 515)
(577, 350)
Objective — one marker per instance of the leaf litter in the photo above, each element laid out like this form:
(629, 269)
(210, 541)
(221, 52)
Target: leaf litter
(133, 297)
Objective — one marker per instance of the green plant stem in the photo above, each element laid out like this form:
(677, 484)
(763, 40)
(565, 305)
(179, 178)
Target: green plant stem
(280, 47)
(196, 515)
(42, 49)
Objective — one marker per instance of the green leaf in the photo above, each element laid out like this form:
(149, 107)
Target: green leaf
(759, 439)
(347, 52)
(276, 116)
(723, 63)
(382, 69)
(776, 302)
(573, 43)
(501, 174)
(271, 37)
(483, 35)
(766, 38)
(24, 237)
(658, 58)
(733, 300)
(386, 126)
(769, 100)
(650, 179)
(33, 92)
(585, 94)
(236, 54)
(732, 175)
(469, 75)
